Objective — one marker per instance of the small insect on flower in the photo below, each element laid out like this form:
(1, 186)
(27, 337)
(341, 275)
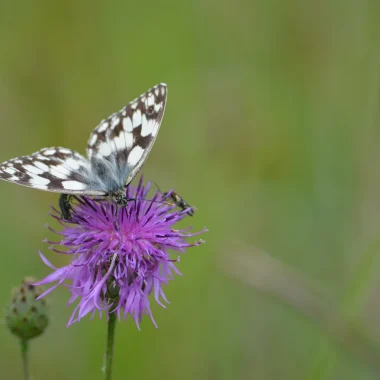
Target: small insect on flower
(65, 206)
(120, 255)
(179, 202)
(116, 150)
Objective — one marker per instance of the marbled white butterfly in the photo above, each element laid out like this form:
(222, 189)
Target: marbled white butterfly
(116, 150)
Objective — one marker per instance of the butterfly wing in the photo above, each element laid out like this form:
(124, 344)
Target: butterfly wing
(57, 169)
(118, 147)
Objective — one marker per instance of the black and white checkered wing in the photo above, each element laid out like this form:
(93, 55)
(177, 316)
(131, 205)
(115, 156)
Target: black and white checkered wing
(56, 169)
(117, 149)
(119, 145)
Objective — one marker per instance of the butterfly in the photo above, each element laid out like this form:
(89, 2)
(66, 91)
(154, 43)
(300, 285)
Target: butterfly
(116, 150)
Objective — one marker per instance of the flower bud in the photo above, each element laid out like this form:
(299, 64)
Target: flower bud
(26, 316)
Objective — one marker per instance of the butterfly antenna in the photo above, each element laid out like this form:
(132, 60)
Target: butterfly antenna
(99, 200)
(158, 187)
(162, 202)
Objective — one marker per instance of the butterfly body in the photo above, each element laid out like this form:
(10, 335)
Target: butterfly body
(116, 151)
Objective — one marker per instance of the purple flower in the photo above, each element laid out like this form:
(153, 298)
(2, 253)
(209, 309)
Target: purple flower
(119, 255)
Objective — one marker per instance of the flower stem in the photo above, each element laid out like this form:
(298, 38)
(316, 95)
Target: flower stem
(110, 344)
(25, 361)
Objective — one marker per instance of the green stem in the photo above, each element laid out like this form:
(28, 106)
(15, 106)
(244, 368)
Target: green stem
(110, 344)
(25, 361)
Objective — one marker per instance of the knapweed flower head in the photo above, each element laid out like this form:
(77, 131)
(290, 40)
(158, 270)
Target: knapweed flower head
(120, 255)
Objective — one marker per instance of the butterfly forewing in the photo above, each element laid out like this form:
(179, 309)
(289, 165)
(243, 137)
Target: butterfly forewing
(119, 145)
(117, 148)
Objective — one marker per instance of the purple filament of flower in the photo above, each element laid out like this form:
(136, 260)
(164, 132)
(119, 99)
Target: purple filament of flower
(119, 255)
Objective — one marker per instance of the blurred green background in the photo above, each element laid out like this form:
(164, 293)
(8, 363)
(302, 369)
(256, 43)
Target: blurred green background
(271, 130)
